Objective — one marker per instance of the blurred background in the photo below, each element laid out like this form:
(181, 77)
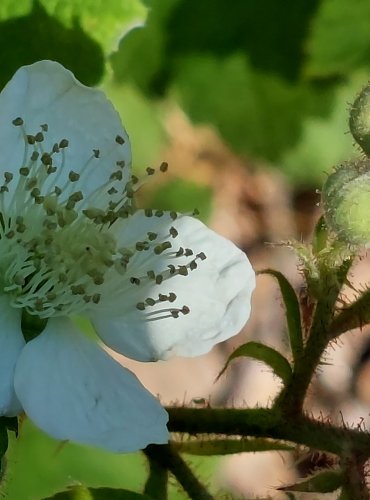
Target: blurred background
(248, 103)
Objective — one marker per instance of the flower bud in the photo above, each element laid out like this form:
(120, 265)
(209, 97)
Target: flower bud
(359, 119)
(346, 202)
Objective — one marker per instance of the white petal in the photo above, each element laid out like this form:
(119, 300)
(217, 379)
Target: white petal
(74, 390)
(45, 92)
(11, 344)
(218, 294)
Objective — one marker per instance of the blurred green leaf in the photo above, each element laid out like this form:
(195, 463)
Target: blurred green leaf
(142, 120)
(209, 447)
(264, 353)
(38, 466)
(256, 113)
(82, 493)
(189, 27)
(322, 482)
(340, 38)
(293, 312)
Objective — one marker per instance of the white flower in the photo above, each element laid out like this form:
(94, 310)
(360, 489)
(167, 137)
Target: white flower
(153, 284)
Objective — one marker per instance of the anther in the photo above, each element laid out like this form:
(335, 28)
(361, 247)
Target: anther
(173, 232)
(120, 140)
(158, 279)
(8, 177)
(96, 153)
(148, 212)
(63, 143)
(24, 171)
(18, 121)
(44, 127)
(39, 137)
(152, 236)
(34, 156)
(163, 167)
(135, 281)
(117, 175)
(46, 159)
(140, 306)
(96, 298)
(31, 139)
(73, 176)
(162, 247)
(150, 171)
(78, 290)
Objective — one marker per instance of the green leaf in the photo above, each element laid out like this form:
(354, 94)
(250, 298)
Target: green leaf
(268, 355)
(210, 447)
(82, 493)
(293, 314)
(322, 482)
(339, 38)
(67, 31)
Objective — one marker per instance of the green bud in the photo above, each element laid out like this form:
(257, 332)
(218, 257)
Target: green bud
(346, 202)
(359, 119)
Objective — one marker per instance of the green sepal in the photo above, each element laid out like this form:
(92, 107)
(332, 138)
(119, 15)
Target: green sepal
(322, 482)
(293, 313)
(3, 446)
(267, 355)
(83, 493)
(210, 447)
(320, 236)
(11, 423)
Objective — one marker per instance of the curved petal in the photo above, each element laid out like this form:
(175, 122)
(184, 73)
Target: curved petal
(47, 93)
(73, 390)
(11, 344)
(218, 294)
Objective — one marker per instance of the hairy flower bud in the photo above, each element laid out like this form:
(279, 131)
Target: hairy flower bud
(346, 202)
(359, 119)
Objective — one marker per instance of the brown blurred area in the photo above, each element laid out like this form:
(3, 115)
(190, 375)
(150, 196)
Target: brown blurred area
(255, 208)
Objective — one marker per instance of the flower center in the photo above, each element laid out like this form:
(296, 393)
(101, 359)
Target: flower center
(58, 252)
(53, 257)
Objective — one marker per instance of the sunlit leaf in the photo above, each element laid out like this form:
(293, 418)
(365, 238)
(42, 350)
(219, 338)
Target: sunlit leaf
(267, 355)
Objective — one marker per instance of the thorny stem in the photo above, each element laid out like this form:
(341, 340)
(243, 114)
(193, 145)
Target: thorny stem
(269, 423)
(167, 458)
(292, 396)
(156, 484)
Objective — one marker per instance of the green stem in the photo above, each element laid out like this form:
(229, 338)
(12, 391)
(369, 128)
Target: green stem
(292, 396)
(269, 423)
(156, 484)
(167, 458)
(354, 316)
(354, 478)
